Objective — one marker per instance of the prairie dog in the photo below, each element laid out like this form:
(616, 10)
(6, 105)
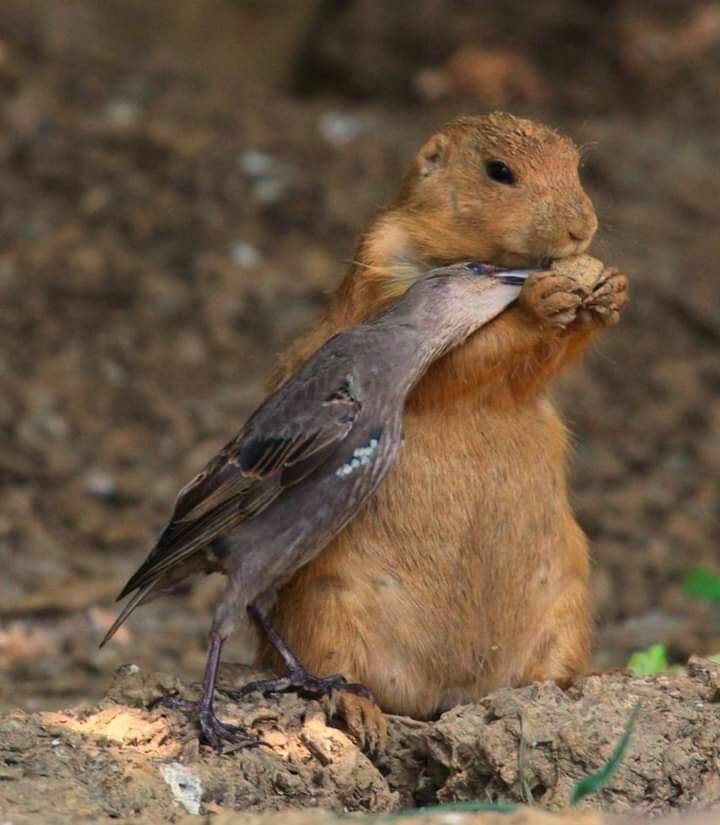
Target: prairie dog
(467, 571)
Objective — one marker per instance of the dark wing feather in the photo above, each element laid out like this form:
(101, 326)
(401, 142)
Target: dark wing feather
(289, 437)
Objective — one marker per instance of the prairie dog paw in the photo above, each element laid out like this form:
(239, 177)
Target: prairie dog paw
(365, 721)
(580, 288)
(607, 298)
(552, 298)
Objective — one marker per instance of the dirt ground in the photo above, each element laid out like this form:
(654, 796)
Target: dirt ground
(128, 758)
(181, 186)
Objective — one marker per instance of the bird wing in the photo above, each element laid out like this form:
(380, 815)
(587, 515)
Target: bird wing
(292, 434)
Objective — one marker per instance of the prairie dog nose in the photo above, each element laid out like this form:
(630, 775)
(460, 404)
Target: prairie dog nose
(583, 226)
(579, 233)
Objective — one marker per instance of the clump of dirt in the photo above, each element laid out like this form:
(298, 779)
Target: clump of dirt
(129, 756)
(132, 756)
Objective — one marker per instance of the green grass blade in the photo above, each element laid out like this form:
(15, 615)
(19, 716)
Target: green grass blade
(596, 781)
(703, 584)
(649, 662)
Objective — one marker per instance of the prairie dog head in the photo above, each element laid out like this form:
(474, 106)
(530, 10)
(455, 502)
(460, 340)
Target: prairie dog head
(499, 189)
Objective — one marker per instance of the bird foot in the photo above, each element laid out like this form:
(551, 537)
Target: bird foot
(212, 731)
(304, 683)
(176, 703)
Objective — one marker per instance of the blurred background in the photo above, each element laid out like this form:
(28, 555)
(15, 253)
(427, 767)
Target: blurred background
(181, 185)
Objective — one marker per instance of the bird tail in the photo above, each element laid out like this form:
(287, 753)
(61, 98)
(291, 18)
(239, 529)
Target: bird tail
(143, 594)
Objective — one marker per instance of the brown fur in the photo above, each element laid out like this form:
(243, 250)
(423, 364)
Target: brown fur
(467, 571)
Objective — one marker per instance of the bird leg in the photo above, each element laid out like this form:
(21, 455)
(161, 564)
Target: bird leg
(212, 729)
(297, 678)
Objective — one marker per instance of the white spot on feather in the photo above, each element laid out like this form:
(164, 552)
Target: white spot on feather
(360, 458)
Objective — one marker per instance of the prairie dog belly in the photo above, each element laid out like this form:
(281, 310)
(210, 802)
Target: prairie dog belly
(511, 547)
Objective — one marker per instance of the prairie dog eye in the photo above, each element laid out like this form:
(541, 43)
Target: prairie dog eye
(500, 172)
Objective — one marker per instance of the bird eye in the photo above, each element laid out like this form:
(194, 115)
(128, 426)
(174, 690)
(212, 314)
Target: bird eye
(499, 171)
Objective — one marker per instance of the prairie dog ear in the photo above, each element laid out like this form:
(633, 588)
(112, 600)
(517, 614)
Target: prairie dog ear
(433, 155)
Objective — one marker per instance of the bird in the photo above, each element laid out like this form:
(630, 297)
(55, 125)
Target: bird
(303, 465)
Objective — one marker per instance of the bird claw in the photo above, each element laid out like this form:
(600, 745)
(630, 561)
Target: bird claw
(212, 731)
(304, 683)
(175, 703)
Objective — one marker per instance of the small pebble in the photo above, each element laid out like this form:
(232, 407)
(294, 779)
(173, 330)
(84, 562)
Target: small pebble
(122, 113)
(99, 483)
(256, 164)
(184, 785)
(245, 255)
(269, 190)
(339, 129)
(54, 424)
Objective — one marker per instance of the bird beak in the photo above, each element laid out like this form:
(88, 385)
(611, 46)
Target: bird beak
(512, 277)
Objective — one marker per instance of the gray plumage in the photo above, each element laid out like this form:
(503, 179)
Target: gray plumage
(316, 450)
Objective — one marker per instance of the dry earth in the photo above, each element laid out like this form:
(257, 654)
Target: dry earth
(129, 757)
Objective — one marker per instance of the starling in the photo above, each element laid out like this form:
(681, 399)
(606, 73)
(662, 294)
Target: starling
(305, 462)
